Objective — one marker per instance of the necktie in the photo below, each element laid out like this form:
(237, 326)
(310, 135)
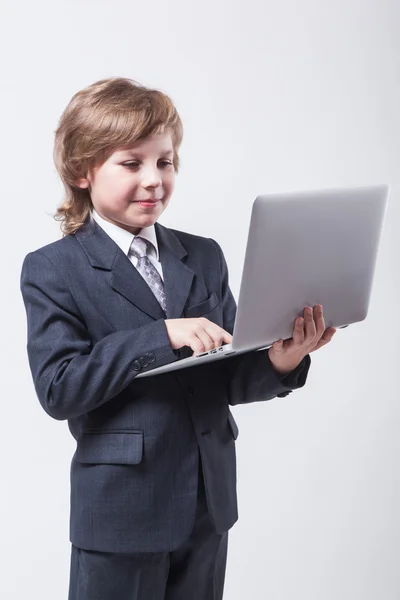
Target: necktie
(139, 248)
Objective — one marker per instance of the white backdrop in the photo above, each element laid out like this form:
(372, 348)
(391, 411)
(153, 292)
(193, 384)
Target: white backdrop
(273, 97)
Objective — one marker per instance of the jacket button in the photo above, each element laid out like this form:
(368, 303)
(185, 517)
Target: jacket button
(136, 365)
(191, 391)
(151, 357)
(144, 361)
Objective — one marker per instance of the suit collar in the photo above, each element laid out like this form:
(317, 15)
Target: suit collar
(103, 253)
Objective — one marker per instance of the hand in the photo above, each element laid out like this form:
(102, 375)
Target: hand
(309, 334)
(200, 334)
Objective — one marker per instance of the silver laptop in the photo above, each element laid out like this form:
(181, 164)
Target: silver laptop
(304, 248)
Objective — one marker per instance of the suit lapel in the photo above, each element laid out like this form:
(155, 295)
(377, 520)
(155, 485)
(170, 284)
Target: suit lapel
(126, 280)
(177, 276)
(103, 253)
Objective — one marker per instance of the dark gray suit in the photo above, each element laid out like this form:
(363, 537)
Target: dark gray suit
(93, 325)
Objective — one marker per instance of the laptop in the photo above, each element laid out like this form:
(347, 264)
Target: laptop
(303, 248)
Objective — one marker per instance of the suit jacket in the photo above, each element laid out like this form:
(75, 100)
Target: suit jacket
(93, 324)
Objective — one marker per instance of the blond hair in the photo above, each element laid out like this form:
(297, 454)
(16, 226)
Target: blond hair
(106, 115)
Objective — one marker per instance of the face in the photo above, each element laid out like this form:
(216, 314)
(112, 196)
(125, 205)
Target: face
(133, 186)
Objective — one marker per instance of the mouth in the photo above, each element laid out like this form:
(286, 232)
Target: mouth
(148, 201)
(152, 203)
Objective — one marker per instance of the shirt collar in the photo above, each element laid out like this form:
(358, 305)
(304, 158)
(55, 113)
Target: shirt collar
(124, 238)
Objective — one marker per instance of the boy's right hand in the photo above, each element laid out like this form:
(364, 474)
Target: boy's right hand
(201, 335)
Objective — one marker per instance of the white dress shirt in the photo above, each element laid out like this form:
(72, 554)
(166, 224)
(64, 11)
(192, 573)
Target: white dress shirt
(124, 239)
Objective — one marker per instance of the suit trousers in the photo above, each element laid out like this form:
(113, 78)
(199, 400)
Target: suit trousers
(195, 571)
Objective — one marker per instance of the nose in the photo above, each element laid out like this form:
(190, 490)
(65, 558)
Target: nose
(151, 178)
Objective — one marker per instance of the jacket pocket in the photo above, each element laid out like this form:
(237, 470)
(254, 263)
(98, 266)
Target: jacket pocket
(110, 447)
(233, 426)
(202, 308)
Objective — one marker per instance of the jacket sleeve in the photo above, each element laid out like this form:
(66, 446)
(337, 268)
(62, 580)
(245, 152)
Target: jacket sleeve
(250, 376)
(71, 375)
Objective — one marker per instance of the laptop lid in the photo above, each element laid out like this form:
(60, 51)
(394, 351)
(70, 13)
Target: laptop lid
(307, 248)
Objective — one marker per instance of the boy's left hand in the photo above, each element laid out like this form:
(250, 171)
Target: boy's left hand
(309, 334)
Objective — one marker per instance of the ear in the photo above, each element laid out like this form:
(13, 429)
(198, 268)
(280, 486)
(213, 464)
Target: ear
(83, 177)
(82, 183)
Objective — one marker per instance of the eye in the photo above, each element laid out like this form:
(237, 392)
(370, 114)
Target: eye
(133, 165)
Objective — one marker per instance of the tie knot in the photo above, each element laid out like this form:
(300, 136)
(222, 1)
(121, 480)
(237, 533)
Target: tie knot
(139, 246)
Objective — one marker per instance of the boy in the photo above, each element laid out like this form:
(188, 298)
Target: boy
(153, 478)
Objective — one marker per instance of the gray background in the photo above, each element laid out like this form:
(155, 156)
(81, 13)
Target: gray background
(273, 97)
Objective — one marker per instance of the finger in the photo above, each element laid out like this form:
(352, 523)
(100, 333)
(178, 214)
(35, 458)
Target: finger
(298, 331)
(219, 338)
(201, 341)
(319, 320)
(309, 325)
(329, 333)
(278, 346)
(227, 338)
(325, 339)
(219, 335)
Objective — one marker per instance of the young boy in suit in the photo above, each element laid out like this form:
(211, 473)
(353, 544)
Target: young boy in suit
(153, 478)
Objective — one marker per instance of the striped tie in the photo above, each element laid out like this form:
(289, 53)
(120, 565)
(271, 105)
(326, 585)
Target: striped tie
(139, 248)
